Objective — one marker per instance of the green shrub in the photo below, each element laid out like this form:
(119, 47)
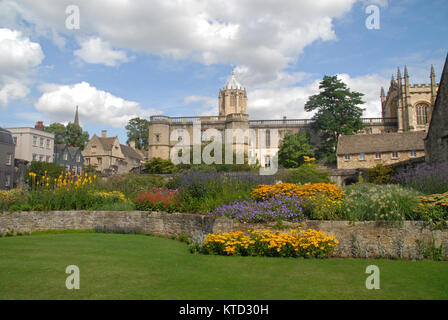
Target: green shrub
(160, 166)
(380, 174)
(379, 202)
(49, 169)
(307, 173)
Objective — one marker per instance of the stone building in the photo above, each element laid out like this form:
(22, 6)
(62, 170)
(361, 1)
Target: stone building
(108, 156)
(366, 151)
(33, 144)
(7, 151)
(167, 132)
(436, 142)
(69, 158)
(410, 104)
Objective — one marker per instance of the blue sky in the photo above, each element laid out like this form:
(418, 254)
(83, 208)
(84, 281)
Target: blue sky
(141, 58)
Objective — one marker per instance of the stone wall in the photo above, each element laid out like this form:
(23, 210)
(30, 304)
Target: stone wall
(371, 239)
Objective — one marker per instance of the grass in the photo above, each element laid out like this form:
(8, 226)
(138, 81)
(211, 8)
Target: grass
(115, 266)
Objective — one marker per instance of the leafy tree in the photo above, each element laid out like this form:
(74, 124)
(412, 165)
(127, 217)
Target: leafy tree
(292, 150)
(59, 131)
(72, 134)
(75, 137)
(337, 113)
(160, 166)
(137, 130)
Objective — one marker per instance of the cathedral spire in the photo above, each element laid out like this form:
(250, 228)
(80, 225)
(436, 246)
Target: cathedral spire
(76, 117)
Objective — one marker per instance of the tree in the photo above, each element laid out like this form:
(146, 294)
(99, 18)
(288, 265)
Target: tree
(72, 134)
(75, 137)
(137, 130)
(337, 113)
(292, 150)
(59, 131)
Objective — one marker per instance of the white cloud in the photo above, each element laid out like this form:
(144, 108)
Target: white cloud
(18, 56)
(95, 106)
(265, 37)
(94, 50)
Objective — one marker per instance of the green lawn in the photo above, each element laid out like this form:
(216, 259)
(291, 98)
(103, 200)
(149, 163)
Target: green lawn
(114, 266)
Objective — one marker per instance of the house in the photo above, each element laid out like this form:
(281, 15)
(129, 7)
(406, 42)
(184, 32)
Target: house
(70, 158)
(7, 151)
(436, 141)
(366, 151)
(107, 155)
(33, 144)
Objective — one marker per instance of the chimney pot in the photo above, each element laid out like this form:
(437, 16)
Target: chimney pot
(132, 144)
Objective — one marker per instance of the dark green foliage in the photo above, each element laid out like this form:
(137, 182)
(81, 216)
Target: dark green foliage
(160, 166)
(72, 134)
(307, 173)
(137, 131)
(337, 113)
(292, 150)
(380, 174)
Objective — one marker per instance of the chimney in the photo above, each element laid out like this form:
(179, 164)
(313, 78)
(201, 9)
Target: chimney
(104, 133)
(39, 125)
(132, 144)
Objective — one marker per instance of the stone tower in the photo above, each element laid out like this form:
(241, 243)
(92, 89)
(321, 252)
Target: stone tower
(232, 98)
(410, 104)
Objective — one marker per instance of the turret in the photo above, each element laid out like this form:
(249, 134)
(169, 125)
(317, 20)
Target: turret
(232, 98)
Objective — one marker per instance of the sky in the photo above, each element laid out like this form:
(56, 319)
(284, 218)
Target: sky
(137, 58)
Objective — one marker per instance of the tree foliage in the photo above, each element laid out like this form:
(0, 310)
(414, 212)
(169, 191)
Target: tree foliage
(137, 130)
(292, 150)
(72, 134)
(337, 113)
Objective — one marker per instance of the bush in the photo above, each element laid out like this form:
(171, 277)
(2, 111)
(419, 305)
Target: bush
(380, 174)
(295, 243)
(131, 184)
(9, 198)
(48, 169)
(379, 202)
(160, 166)
(159, 199)
(305, 192)
(307, 173)
(426, 178)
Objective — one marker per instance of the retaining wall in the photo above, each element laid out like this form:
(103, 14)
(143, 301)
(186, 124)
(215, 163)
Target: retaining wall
(356, 239)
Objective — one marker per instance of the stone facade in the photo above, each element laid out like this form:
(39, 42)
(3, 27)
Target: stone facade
(369, 239)
(69, 158)
(7, 151)
(33, 144)
(366, 151)
(436, 142)
(107, 155)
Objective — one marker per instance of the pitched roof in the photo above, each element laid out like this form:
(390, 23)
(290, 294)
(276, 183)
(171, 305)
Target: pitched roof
(129, 152)
(384, 142)
(107, 142)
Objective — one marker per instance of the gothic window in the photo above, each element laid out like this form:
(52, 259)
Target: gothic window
(422, 113)
(233, 100)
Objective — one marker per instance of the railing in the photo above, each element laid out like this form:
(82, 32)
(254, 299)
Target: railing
(303, 122)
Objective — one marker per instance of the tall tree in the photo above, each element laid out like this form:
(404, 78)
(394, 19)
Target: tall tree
(292, 150)
(59, 131)
(72, 134)
(137, 130)
(75, 137)
(337, 113)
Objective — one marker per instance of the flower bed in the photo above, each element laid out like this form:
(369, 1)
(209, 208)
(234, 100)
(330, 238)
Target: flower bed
(295, 243)
(307, 191)
(280, 207)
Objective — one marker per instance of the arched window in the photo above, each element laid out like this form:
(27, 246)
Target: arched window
(422, 113)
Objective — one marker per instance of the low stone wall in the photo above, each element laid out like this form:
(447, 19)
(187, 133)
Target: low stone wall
(368, 239)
